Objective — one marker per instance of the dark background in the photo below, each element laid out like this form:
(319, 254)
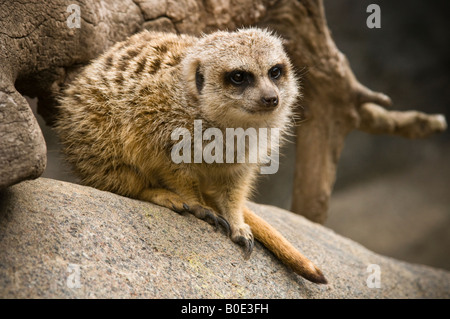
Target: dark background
(392, 195)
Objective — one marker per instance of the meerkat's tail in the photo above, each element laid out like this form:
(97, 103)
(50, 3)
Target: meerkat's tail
(279, 245)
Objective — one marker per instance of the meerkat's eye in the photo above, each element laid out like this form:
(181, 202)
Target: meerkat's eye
(275, 72)
(237, 77)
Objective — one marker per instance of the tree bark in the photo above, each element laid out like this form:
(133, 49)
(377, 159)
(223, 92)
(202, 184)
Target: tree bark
(41, 53)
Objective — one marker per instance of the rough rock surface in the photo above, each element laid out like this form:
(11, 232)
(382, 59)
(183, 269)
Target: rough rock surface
(22, 146)
(53, 231)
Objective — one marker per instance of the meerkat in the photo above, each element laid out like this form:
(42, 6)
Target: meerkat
(116, 120)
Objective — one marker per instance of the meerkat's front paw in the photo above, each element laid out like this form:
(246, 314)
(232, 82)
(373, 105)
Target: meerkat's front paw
(243, 236)
(208, 215)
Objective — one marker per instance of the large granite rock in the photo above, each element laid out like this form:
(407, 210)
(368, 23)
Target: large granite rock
(64, 240)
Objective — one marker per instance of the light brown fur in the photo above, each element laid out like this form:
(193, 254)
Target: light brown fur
(115, 121)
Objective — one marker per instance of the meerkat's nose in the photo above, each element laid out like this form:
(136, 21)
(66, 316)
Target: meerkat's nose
(269, 101)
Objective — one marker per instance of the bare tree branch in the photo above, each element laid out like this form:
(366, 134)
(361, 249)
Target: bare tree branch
(409, 124)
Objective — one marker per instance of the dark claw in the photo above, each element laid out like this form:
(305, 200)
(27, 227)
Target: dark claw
(212, 217)
(248, 245)
(186, 207)
(176, 210)
(250, 248)
(224, 223)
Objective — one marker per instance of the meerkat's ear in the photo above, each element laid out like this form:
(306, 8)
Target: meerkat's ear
(199, 80)
(193, 76)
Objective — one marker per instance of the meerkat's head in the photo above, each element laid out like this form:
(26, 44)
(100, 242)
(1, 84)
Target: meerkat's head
(241, 78)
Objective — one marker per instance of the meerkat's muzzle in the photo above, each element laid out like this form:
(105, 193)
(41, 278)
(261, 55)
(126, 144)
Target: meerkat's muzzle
(269, 102)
